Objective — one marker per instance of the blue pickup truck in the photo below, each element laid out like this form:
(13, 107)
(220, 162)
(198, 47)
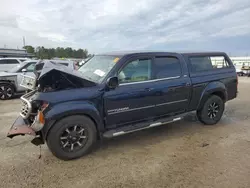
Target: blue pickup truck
(114, 94)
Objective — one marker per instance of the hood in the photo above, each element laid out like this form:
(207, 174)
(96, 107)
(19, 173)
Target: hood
(77, 95)
(44, 67)
(54, 77)
(7, 74)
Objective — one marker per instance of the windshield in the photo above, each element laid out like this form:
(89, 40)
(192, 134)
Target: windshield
(98, 67)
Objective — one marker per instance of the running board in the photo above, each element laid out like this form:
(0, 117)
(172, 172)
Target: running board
(140, 126)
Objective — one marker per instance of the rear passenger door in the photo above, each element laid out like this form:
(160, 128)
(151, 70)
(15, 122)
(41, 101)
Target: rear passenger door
(7, 64)
(172, 85)
(2, 65)
(10, 63)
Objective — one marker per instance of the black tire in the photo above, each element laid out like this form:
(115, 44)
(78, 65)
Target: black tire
(58, 137)
(211, 111)
(6, 91)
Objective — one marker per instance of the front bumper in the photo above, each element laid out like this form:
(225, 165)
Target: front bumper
(20, 127)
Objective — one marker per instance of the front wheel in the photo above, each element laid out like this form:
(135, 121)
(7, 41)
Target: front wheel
(72, 137)
(212, 110)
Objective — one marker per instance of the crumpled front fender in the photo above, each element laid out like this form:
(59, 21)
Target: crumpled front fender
(20, 127)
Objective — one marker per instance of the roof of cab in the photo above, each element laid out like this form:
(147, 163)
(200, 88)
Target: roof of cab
(123, 53)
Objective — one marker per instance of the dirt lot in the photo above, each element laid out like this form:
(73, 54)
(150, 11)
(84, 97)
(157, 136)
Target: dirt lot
(183, 154)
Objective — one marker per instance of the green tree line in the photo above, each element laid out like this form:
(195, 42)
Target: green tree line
(48, 53)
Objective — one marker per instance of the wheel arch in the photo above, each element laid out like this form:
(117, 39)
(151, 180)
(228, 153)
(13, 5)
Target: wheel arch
(220, 94)
(56, 114)
(213, 88)
(9, 82)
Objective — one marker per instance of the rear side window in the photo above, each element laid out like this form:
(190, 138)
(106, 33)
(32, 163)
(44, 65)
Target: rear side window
(206, 63)
(2, 61)
(11, 61)
(165, 67)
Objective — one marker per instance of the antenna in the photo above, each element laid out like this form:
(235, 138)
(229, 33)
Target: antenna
(23, 41)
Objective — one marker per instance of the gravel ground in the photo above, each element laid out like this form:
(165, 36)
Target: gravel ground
(183, 154)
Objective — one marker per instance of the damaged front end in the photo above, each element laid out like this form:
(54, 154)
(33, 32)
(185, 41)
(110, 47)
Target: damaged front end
(49, 80)
(20, 127)
(31, 119)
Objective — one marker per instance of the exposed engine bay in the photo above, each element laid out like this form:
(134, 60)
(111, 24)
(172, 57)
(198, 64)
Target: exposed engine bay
(54, 77)
(56, 80)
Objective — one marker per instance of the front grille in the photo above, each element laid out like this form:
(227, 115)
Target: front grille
(26, 107)
(25, 110)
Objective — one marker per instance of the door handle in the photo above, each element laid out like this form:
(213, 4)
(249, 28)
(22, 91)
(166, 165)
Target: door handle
(188, 84)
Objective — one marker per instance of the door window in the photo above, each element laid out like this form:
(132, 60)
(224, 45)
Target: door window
(29, 67)
(136, 71)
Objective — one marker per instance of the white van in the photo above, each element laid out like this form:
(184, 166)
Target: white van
(8, 63)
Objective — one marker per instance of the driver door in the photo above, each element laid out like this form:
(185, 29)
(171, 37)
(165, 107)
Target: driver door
(132, 100)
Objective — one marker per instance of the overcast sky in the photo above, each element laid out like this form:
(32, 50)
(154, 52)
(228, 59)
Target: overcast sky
(112, 25)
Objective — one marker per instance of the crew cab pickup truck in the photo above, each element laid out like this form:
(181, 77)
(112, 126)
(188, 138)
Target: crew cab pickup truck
(118, 93)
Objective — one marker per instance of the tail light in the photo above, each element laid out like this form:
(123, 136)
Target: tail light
(237, 80)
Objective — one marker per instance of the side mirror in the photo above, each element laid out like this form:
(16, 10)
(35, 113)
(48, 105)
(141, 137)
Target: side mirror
(112, 82)
(24, 70)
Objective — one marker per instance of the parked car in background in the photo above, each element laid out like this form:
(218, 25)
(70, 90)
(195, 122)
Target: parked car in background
(8, 63)
(119, 93)
(12, 81)
(243, 70)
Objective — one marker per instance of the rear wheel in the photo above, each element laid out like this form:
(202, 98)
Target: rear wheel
(6, 91)
(72, 137)
(212, 110)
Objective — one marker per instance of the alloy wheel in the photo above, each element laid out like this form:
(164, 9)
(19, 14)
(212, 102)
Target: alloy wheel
(5, 92)
(73, 138)
(213, 110)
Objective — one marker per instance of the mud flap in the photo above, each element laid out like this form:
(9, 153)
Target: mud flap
(20, 127)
